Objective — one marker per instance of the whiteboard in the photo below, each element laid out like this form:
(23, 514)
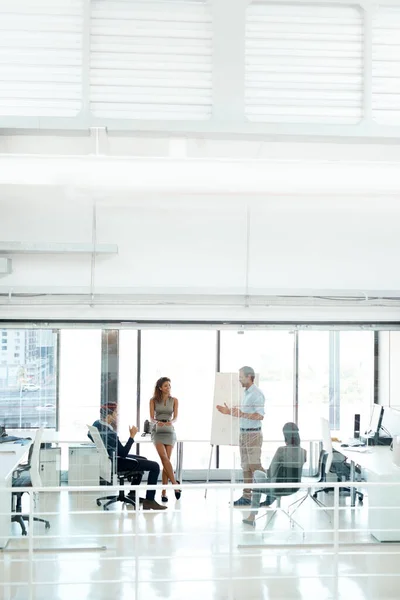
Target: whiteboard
(224, 428)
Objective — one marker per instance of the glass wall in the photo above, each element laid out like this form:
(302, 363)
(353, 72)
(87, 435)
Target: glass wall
(188, 358)
(28, 378)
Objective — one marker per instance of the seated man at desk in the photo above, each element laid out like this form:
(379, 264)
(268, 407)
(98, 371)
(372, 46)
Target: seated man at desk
(286, 466)
(107, 425)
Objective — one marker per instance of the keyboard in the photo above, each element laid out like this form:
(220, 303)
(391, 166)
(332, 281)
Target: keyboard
(354, 442)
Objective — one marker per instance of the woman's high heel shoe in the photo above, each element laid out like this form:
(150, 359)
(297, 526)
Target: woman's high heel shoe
(164, 498)
(177, 492)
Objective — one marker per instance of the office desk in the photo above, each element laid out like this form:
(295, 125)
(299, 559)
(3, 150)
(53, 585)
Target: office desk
(57, 437)
(9, 461)
(377, 461)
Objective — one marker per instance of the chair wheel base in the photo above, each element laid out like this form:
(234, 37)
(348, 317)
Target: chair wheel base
(98, 502)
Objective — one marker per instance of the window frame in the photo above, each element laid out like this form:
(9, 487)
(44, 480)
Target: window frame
(334, 352)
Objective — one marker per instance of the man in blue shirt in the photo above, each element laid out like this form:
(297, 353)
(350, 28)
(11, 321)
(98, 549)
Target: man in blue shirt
(251, 413)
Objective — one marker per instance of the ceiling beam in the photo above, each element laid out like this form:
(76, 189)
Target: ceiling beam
(203, 176)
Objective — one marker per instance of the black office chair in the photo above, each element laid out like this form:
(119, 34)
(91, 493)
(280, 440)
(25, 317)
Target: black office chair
(134, 478)
(107, 473)
(341, 468)
(27, 475)
(318, 478)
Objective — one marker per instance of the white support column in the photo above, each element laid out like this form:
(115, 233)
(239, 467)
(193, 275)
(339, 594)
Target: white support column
(229, 28)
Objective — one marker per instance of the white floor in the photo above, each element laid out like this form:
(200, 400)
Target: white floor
(185, 553)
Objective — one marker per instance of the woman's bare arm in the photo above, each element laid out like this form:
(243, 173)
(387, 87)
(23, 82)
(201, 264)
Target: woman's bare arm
(176, 410)
(152, 419)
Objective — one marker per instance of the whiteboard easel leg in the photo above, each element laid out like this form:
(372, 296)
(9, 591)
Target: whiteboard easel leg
(208, 472)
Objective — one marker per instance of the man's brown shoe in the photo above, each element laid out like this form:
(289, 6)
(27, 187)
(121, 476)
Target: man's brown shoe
(152, 505)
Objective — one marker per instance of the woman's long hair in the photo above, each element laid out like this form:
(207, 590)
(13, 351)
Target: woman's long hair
(157, 396)
(291, 434)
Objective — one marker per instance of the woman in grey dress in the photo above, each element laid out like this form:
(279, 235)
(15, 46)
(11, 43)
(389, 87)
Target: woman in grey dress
(163, 414)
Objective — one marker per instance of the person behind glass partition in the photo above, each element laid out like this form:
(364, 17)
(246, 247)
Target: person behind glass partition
(163, 415)
(292, 458)
(250, 414)
(107, 427)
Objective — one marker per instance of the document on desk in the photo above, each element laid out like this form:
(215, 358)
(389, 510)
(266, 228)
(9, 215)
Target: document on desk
(356, 449)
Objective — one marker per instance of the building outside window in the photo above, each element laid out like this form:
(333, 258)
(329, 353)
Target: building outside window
(28, 379)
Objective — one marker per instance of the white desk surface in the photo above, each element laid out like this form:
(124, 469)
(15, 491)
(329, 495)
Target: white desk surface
(378, 459)
(58, 437)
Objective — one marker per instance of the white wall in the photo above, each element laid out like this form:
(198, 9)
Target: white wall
(200, 246)
(389, 373)
(197, 245)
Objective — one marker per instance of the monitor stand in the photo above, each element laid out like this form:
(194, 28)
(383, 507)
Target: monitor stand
(376, 438)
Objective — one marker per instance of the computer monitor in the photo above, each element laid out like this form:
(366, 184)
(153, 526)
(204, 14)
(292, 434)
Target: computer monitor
(376, 419)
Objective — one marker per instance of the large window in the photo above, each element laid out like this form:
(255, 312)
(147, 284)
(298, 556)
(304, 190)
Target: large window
(313, 381)
(28, 378)
(80, 380)
(336, 379)
(188, 358)
(270, 353)
(356, 378)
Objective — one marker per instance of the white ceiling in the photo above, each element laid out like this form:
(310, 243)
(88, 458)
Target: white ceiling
(204, 67)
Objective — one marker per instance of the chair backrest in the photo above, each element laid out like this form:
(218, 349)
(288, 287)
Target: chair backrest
(106, 470)
(290, 470)
(34, 459)
(321, 465)
(327, 443)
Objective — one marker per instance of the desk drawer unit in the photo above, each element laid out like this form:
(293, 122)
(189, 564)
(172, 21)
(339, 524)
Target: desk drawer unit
(50, 466)
(83, 465)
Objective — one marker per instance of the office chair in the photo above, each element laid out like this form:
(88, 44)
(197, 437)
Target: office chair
(318, 478)
(27, 475)
(333, 466)
(109, 474)
(342, 470)
(286, 474)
